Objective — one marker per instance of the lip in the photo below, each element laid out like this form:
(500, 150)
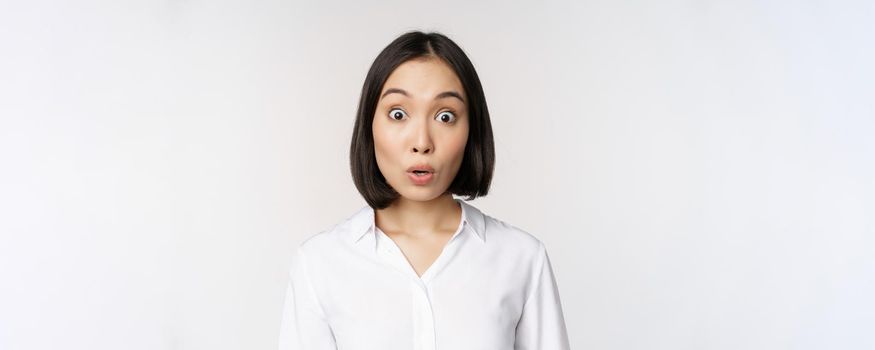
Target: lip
(423, 166)
(420, 179)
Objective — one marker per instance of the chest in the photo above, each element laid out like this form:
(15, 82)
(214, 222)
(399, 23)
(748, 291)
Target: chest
(473, 303)
(420, 254)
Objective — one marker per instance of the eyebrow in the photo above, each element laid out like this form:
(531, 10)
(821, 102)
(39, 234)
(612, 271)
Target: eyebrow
(445, 94)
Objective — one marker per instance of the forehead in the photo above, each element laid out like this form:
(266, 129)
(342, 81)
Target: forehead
(424, 77)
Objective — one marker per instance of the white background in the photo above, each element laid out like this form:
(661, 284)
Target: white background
(702, 172)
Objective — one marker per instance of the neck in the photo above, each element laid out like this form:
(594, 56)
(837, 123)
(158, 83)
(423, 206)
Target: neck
(420, 218)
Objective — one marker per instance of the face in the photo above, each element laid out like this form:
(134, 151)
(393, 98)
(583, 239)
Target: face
(421, 120)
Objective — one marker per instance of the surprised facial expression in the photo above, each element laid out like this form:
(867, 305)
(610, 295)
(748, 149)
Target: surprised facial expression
(421, 123)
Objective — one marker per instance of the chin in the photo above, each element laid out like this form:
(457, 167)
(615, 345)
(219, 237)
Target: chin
(421, 194)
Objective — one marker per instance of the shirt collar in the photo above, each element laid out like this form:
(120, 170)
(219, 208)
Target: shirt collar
(363, 222)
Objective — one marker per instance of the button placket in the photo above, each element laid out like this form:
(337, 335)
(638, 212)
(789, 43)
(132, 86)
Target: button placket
(421, 313)
(423, 318)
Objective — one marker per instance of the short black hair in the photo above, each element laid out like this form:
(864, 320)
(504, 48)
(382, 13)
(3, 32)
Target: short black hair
(478, 163)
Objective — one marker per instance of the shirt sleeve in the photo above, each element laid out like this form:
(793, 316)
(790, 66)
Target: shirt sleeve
(542, 324)
(304, 326)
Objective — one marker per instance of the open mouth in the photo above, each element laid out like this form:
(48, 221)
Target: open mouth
(420, 172)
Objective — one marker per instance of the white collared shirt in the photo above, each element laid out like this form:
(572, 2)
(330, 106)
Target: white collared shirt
(492, 287)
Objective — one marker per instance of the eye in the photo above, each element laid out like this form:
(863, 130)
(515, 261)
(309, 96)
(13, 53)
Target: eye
(397, 113)
(446, 117)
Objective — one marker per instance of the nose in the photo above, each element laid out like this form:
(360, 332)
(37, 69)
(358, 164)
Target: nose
(422, 142)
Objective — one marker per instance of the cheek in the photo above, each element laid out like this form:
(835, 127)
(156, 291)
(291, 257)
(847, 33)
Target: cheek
(457, 144)
(461, 137)
(378, 131)
(383, 144)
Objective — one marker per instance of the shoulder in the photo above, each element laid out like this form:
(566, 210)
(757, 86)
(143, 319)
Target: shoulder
(328, 238)
(509, 237)
(520, 252)
(322, 242)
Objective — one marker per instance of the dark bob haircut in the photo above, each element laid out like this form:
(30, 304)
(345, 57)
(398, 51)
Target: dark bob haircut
(475, 173)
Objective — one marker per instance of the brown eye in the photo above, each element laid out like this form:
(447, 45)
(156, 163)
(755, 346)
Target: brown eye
(446, 117)
(396, 114)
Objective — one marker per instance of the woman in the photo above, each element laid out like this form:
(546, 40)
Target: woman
(417, 268)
